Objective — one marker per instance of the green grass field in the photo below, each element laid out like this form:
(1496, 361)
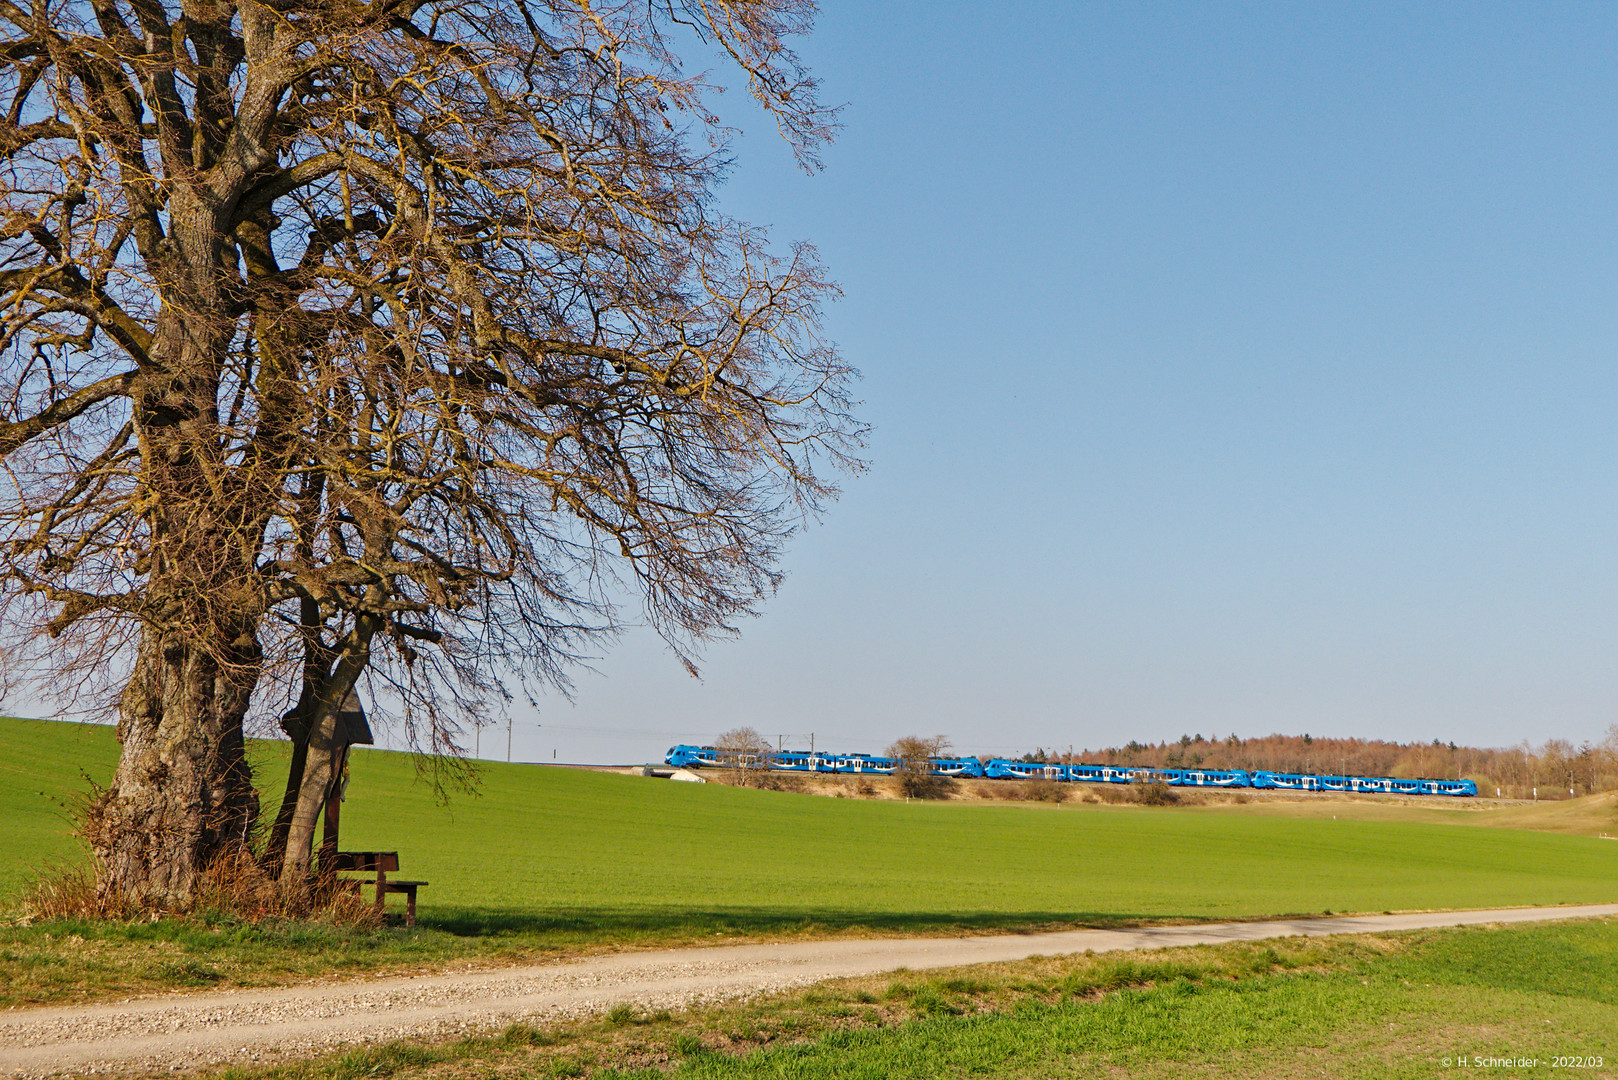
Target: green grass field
(1453, 995)
(1406, 1005)
(43, 770)
(553, 848)
(549, 860)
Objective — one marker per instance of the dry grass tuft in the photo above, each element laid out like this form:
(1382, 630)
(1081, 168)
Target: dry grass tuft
(234, 886)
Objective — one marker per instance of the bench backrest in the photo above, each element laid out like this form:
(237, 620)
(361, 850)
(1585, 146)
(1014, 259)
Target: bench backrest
(367, 862)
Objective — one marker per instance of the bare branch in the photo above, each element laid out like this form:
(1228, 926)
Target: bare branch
(14, 434)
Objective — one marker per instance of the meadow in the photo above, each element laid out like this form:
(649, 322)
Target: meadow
(542, 860)
(547, 844)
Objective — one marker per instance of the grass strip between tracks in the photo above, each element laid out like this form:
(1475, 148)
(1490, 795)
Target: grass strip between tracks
(1409, 1004)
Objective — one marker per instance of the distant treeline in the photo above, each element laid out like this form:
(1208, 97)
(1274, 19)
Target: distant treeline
(1555, 768)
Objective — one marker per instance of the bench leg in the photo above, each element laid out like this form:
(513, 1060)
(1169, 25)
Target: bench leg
(410, 907)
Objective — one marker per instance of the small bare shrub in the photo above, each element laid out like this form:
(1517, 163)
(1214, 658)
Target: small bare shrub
(1156, 793)
(922, 786)
(1050, 791)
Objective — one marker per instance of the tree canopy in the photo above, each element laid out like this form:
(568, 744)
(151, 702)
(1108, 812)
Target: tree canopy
(381, 338)
(915, 770)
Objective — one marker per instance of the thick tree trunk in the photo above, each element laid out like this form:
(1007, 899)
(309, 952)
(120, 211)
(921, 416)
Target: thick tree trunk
(183, 793)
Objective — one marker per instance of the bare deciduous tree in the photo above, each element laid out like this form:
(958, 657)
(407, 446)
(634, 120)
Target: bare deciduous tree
(744, 749)
(915, 771)
(380, 339)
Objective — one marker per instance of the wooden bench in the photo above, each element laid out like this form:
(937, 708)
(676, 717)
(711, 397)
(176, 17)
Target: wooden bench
(379, 864)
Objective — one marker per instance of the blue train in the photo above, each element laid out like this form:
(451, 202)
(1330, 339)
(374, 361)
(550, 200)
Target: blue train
(1006, 769)
(1385, 784)
(808, 761)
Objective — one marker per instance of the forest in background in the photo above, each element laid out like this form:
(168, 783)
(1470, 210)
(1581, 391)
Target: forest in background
(1556, 769)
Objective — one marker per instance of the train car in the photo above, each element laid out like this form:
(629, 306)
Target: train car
(809, 761)
(1460, 788)
(865, 763)
(1006, 769)
(877, 763)
(1264, 778)
(1393, 785)
(967, 767)
(1227, 778)
(709, 757)
(1387, 785)
(687, 757)
(1101, 774)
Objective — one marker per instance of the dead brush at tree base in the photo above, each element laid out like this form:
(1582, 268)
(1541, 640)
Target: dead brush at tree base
(235, 887)
(913, 786)
(762, 779)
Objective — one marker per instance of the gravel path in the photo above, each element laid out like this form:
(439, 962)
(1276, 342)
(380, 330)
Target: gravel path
(183, 1031)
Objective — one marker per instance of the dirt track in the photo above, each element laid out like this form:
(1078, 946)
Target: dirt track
(191, 1030)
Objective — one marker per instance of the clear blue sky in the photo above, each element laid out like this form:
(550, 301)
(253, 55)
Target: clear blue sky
(1232, 368)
